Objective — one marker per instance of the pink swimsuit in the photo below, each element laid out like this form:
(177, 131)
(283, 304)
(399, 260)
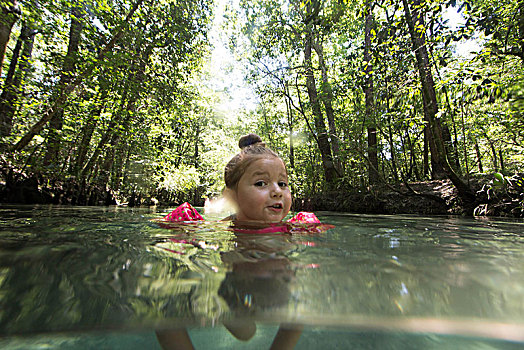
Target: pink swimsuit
(302, 222)
(185, 214)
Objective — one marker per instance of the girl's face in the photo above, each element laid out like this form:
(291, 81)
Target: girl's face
(262, 193)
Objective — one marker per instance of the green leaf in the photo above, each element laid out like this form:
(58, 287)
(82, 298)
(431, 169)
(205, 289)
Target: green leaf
(498, 180)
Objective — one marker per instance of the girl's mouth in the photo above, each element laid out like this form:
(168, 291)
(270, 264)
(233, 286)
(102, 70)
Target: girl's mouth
(276, 206)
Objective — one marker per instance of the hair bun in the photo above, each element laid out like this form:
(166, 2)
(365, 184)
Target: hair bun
(248, 140)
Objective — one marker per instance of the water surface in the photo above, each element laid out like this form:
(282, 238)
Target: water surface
(113, 275)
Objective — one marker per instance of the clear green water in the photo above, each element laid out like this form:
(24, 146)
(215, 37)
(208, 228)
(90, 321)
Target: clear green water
(106, 278)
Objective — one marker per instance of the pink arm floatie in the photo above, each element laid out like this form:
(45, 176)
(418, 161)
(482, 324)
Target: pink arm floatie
(302, 222)
(184, 212)
(304, 217)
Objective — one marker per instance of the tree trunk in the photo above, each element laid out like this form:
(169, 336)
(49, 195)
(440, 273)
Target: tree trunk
(196, 153)
(454, 143)
(6, 107)
(430, 99)
(290, 123)
(66, 76)
(109, 158)
(493, 152)
(373, 176)
(501, 161)
(9, 13)
(425, 167)
(451, 146)
(322, 137)
(87, 133)
(394, 166)
(412, 158)
(404, 162)
(520, 19)
(394, 163)
(479, 157)
(464, 138)
(89, 167)
(136, 81)
(327, 98)
(14, 60)
(450, 149)
(14, 78)
(416, 29)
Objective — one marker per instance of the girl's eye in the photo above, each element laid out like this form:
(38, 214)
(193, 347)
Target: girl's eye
(282, 184)
(260, 183)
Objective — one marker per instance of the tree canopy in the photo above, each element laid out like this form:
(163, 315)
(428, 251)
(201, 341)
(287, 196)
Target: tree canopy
(117, 96)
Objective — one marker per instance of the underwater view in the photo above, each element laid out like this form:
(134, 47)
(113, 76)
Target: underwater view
(109, 277)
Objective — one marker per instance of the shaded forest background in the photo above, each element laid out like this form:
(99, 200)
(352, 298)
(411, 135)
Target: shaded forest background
(370, 103)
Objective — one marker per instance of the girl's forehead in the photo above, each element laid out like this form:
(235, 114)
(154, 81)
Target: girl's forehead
(271, 165)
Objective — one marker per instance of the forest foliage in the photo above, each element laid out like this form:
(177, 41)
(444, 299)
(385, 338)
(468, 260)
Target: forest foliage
(115, 96)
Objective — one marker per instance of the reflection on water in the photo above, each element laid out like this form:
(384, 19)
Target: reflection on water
(89, 268)
(218, 338)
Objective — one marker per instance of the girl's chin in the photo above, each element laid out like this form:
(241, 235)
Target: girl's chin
(273, 219)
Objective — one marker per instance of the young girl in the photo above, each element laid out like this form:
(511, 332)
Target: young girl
(257, 184)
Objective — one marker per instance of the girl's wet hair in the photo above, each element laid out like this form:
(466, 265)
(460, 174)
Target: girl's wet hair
(250, 139)
(252, 149)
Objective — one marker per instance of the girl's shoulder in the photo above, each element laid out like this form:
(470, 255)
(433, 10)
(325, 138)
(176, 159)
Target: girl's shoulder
(231, 217)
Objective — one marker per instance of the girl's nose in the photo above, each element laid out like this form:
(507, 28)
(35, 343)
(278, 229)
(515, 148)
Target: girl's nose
(276, 191)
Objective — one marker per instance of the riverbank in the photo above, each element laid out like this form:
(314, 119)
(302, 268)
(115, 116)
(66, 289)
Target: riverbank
(437, 197)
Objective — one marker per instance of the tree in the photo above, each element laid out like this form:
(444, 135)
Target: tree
(368, 91)
(282, 34)
(324, 145)
(9, 13)
(416, 27)
(68, 88)
(66, 77)
(18, 69)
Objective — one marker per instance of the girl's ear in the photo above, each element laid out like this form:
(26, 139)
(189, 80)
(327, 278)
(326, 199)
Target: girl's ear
(230, 196)
(219, 206)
